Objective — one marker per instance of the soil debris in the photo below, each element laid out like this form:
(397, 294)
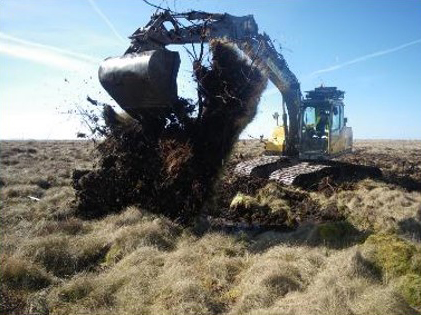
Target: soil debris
(172, 168)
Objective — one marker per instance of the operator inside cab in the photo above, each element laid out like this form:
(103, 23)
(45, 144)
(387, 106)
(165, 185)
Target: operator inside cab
(322, 125)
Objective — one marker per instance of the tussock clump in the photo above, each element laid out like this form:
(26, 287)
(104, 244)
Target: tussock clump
(130, 216)
(339, 234)
(55, 197)
(64, 256)
(125, 288)
(229, 187)
(172, 170)
(22, 191)
(201, 274)
(19, 273)
(193, 278)
(395, 256)
(399, 262)
(361, 267)
(54, 205)
(157, 233)
(11, 301)
(273, 275)
(291, 205)
(275, 195)
(335, 234)
(185, 296)
(70, 226)
(377, 206)
(345, 285)
(241, 201)
(77, 288)
(42, 183)
(410, 288)
(383, 300)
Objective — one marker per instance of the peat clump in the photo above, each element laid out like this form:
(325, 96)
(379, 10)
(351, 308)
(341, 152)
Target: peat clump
(170, 168)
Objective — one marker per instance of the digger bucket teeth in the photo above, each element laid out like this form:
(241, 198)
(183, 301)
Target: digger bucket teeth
(141, 81)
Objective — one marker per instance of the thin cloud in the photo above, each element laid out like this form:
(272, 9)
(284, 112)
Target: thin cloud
(106, 20)
(366, 57)
(44, 54)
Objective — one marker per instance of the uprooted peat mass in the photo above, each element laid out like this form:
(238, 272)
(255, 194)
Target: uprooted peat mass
(172, 169)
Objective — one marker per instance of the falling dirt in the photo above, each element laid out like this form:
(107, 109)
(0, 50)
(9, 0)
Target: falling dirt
(172, 169)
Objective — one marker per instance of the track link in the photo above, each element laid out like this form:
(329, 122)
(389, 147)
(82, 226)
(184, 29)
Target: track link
(289, 174)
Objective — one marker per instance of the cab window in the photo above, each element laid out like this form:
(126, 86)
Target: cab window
(337, 122)
(309, 117)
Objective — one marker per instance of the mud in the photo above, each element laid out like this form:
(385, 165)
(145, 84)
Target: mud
(301, 207)
(399, 167)
(338, 175)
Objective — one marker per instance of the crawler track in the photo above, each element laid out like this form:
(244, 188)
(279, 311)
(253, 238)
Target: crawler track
(302, 173)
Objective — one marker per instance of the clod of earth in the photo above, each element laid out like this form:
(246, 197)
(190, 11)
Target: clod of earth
(172, 169)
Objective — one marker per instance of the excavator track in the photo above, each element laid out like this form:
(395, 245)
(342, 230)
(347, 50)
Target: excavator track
(301, 173)
(280, 169)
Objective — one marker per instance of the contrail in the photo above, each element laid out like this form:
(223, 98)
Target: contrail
(106, 20)
(44, 54)
(7, 37)
(366, 57)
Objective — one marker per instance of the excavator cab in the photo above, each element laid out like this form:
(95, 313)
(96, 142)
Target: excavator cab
(323, 130)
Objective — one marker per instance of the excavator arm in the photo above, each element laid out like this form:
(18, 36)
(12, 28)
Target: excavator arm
(205, 26)
(145, 77)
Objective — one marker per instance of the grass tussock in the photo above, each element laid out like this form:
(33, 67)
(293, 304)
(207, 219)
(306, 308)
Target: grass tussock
(157, 233)
(375, 206)
(395, 256)
(63, 255)
(18, 273)
(22, 191)
(410, 288)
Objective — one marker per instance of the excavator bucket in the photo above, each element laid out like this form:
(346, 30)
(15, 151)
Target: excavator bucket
(141, 81)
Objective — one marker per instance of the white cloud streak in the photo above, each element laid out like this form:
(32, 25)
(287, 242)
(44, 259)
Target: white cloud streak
(44, 54)
(107, 21)
(366, 57)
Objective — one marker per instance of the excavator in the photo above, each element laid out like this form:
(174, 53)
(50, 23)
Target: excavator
(143, 82)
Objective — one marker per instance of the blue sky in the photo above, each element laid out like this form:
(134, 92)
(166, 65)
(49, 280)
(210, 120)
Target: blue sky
(50, 51)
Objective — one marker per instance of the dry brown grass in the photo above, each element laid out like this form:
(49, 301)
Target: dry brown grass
(138, 263)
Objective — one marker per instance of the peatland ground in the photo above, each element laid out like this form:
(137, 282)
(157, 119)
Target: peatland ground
(342, 248)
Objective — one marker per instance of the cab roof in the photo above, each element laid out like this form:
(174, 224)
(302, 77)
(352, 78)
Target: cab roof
(325, 93)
